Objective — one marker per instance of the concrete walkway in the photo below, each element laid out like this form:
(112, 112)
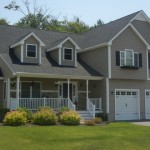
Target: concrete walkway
(144, 123)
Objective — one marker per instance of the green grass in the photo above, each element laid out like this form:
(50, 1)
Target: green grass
(115, 136)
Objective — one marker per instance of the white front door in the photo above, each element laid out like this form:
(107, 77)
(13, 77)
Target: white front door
(63, 91)
(127, 105)
(147, 104)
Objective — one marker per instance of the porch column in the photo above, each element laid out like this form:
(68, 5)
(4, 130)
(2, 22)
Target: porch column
(68, 88)
(8, 93)
(87, 92)
(17, 90)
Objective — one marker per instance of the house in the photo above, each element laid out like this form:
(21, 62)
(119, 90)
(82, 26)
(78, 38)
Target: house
(106, 69)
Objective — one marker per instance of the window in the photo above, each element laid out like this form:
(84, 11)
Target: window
(31, 50)
(129, 58)
(68, 54)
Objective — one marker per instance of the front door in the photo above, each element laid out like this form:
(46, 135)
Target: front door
(63, 91)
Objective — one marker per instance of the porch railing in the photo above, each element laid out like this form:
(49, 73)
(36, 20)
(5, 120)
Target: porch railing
(91, 107)
(97, 102)
(71, 105)
(35, 103)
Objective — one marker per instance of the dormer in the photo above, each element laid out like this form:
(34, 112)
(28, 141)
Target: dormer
(28, 49)
(64, 52)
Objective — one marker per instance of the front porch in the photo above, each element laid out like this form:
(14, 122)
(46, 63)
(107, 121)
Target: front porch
(33, 93)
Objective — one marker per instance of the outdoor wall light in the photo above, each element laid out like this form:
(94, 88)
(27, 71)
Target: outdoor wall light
(112, 92)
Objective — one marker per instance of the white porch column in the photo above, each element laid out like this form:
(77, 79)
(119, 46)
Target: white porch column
(8, 93)
(68, 81)
(87, 92)
(17, 90)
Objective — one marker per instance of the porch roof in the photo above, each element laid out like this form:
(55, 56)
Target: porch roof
(50, 68)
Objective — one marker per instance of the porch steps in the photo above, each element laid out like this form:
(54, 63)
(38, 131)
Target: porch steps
(85, 115)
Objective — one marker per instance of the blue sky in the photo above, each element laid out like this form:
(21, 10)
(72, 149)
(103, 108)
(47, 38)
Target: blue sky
(88, 10)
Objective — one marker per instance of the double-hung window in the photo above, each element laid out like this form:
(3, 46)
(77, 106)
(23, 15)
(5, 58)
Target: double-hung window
(31, 50)
(129, 58)
(68, 54)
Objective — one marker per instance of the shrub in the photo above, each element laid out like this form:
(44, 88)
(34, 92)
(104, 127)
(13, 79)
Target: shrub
(27, 111)
(70, 118)
(63, 109)
(44, 108)
(3, 112)
(90, 122)
(98, 120)
(103, 116)
(15, 118)
(44, 117)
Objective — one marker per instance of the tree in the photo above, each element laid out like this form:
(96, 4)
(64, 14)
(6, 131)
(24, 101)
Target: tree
(37, 18)
(3, 21)
(98, 23)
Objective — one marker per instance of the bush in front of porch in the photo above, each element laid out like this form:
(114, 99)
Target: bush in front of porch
(44, 116)
(70, 118)
(15, 118)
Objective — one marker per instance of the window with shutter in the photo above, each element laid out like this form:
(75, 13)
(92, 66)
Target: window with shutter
(129, 59)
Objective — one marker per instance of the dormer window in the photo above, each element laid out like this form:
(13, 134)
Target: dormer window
(68, 54)
(31, 50)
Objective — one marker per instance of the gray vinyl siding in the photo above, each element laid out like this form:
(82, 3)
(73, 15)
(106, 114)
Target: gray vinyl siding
(128, 40)
(127, 84)
(68, 44)
(31, 40)
(97, 59)
(55, 55)
(17, 52)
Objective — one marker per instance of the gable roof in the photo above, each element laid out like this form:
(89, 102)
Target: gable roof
(26, 37)
(59, 43)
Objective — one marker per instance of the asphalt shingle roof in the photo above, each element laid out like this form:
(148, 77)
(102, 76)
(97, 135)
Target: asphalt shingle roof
(10, 35)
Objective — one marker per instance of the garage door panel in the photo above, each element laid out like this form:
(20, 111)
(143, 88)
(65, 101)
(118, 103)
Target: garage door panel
(126, 105)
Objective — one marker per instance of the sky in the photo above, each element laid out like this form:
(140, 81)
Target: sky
(87, 10)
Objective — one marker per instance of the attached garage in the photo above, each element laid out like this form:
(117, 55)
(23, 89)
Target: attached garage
(127, 104)
(147, 104)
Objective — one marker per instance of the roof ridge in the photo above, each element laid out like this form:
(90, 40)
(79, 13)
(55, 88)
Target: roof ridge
(114, 21)
(42, 29)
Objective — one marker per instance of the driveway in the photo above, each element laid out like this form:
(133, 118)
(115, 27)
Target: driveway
(144, 123)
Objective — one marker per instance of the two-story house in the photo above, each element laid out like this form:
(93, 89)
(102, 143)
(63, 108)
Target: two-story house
(103, 70)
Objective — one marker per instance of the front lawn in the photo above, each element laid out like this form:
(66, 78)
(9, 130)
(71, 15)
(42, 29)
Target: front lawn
(115, 136)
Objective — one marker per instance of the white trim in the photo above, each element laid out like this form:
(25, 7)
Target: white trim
(59, 52)
(18, 90)
(140, 36)
(143, 13)
(22, 53)
(76, 65)
(8, 93)
(147, 64)
(138, 94)
(49, 91)
(35, 50)
(42, 75)
(8, 65)
(64, 53)
(107, 95)
(146, 90)
(60, 44)
(93, 47)
(109, 61)
(40, 55)
(22, 41)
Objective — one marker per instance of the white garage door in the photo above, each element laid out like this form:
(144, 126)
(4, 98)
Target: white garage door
(126, 105)
(147, 104)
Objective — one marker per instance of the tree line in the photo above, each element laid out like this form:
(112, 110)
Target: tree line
(41, 18)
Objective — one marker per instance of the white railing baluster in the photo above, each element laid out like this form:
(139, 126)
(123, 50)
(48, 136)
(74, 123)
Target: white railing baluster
(97, 102)
(91, 107)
